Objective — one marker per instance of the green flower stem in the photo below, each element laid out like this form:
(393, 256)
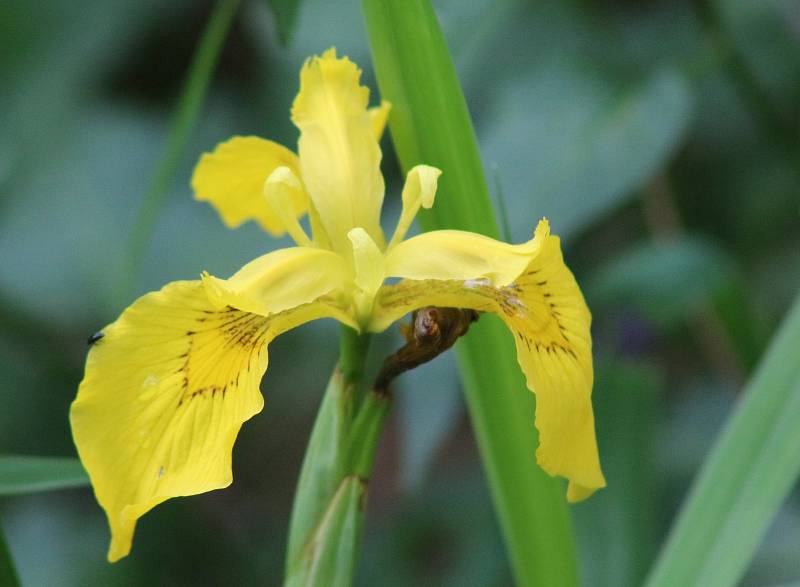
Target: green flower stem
(328, 511)
(747, 476)
(430, 124)
(353, 350)
(193, 94)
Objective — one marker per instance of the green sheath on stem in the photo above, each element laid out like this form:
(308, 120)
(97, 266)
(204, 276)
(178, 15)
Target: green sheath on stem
(430, 124)
(328, 511)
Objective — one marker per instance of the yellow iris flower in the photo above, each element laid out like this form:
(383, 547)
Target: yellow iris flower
(168, 387)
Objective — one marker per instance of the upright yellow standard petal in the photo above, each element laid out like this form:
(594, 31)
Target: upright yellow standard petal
(542, 305)
(339, 152)
(232, 179)
(165, 393)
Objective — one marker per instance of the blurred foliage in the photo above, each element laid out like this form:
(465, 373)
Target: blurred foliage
(747, 476)
(660, 138)
(25, 475)
(285, 13)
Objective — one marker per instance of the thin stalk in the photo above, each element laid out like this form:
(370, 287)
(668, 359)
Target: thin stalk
(430, 124)
(499, 195)
(190, 102)
(353, 351)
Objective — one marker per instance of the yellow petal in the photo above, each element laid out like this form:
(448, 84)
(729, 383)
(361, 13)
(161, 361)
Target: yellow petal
(543, 306)
(281, 190)
(419, 190)
(379, 116)
(232, 179)
(339, 154)
(283, 279)
(454, 254)
(369, 270)
(165, 393)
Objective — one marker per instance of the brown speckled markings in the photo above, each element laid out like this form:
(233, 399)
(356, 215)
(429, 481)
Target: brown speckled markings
(232, 340)
(237, 329)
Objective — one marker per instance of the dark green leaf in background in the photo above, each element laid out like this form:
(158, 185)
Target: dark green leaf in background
(761, 47)
(665, 281)
(618, 528)
(191, 100)
(744, 480)
(285, 13)
(22, 474)
(575, 160)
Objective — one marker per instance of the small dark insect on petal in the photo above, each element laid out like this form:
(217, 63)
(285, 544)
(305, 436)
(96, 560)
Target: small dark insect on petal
(95, 338)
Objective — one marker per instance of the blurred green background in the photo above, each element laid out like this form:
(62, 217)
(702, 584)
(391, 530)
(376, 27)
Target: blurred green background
(660, 137)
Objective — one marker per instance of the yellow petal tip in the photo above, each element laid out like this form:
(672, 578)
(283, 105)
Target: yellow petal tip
(577, 493)
(542, 228)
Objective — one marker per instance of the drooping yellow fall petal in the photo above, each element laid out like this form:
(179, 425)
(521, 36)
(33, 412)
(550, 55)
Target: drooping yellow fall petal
(284, 279)
(543, 306)
(339, 153)
(232, 179)
(165, 393)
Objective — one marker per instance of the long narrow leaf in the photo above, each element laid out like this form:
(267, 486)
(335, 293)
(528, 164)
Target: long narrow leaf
(23, 474)
(193, 94)
(745, 479)
(430, 124)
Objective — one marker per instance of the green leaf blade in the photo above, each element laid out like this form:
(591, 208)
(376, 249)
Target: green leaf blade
(430, 124)
(598, 157)
(330, 555)
(21, 475)
(193, 94)
(743, 482)
(429, 121)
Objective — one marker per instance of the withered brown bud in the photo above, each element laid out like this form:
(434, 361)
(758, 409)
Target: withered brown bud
(432, 331)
